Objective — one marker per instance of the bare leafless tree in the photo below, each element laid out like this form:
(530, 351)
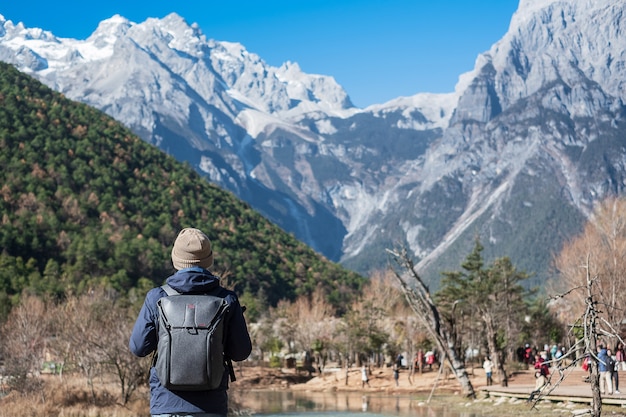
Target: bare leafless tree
(24, 336)
(93, 336)
(419, 298)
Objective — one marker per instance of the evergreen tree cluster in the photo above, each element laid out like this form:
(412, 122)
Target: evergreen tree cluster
(84, 202)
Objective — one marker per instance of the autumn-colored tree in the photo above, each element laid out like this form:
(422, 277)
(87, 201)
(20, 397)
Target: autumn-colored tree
(398, 328)
(309, 317)
(590, 284)
(306, 324)
(603, 243)
(406, 331)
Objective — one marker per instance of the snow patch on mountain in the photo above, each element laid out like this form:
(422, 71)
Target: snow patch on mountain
(437, 109)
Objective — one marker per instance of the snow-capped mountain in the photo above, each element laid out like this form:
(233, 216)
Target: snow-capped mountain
(517, 155)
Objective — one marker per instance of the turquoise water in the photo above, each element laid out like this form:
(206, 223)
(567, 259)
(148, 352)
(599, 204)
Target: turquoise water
(331, 414)
(312, 404)
(427, 413)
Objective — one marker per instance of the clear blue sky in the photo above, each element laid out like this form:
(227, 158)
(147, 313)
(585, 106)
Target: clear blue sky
(376, 49)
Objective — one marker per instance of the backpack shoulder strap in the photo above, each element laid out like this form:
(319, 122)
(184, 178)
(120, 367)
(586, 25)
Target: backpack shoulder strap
(169, 290)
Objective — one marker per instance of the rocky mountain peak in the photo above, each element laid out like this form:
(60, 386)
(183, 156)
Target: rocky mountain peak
(518, 154)
(9, 30)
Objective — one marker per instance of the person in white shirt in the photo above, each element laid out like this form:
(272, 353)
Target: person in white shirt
(488, 367)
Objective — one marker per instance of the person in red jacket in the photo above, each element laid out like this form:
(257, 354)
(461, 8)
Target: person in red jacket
(541, 366)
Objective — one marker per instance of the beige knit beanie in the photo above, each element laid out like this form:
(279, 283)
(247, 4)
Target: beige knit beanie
(192, 248)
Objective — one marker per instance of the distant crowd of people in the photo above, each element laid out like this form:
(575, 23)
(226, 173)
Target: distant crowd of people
(527, 354)
(426, 359)
(609, 362)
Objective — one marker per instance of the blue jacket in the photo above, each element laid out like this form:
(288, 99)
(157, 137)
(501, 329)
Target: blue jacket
(603, 361)
(143, 341)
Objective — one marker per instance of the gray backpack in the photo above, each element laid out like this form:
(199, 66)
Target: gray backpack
(190, 353)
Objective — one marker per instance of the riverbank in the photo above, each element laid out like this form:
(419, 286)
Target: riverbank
(430, 388)
(380, 380)
(72, 397)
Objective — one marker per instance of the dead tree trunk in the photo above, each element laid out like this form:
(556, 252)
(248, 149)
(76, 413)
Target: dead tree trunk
(591, 335)
(418, 296)
(497, 354)
(589, 323)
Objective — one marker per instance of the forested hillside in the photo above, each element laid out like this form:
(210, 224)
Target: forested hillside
(85, 202)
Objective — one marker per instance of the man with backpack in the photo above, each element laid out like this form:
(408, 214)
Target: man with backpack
(195, 327)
